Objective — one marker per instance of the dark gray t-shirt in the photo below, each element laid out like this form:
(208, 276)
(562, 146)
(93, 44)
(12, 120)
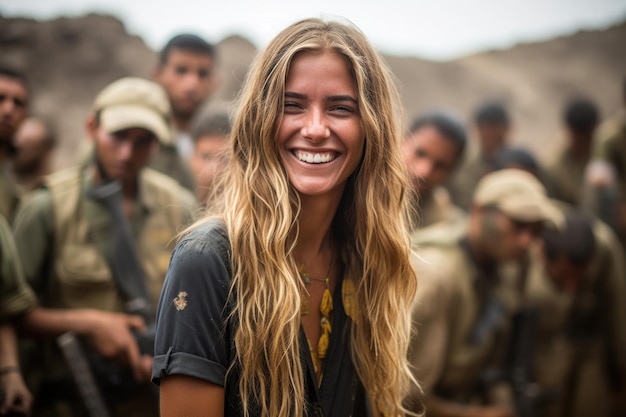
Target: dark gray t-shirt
(194, 336)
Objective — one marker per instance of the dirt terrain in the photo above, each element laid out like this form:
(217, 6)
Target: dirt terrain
(68, 60)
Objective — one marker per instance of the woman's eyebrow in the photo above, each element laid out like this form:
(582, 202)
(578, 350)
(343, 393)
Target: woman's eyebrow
(290, 94)
(342, 98)
(300, 96)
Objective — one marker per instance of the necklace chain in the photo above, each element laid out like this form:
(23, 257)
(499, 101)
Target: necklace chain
(326, 307)
(307, 278)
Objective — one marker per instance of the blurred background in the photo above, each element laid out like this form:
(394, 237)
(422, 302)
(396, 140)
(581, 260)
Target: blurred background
(533, 55)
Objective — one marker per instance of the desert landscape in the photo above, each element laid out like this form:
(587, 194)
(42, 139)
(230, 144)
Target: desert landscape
(68, 60)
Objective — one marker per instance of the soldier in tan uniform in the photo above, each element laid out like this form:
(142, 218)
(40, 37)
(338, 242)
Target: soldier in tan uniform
(432, 149)
(187, 72)
(469, 290)
(493, 127)
(566, 172)
(14, 97)
(69, 241)
(578, 287)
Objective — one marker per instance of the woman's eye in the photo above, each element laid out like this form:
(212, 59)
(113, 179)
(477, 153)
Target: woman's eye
(290, 105)
(343, 109)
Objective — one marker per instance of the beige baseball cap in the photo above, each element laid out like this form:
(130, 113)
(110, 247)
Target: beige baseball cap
(135, 102)
(519, 195)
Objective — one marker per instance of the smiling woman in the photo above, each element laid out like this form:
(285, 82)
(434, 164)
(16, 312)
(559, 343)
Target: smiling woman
(298, 298)
(320, 138)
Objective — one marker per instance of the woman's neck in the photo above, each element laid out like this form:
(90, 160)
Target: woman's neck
(315, 221)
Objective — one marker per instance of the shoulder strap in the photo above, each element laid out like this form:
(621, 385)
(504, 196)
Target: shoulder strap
(122, 256)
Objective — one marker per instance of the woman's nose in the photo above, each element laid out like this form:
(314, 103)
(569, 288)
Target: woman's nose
(315, 126)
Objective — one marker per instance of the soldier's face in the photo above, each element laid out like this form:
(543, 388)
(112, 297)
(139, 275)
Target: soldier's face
(505, 238)
(124, 153)
(188, 78)
(13, 103)
(492, 137)
(208, 159)
(430, 158)
(564, 275)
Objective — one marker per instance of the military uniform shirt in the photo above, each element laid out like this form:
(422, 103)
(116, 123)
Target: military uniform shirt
(86, 280)
(579, 335)
(566, 176)
(16, 297)
(448, 352)
(9, 195)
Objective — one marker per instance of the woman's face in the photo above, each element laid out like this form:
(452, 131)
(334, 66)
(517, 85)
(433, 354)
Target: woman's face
(320, 138)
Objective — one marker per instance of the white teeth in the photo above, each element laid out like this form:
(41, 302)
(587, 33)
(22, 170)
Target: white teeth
(315, 158)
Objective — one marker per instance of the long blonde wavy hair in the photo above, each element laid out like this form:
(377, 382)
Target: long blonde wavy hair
(260, 209)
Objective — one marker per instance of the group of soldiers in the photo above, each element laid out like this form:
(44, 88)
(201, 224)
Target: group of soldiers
(520, 309)
(85, 249)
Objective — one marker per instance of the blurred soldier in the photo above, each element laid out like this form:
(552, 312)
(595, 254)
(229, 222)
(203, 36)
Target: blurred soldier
(519, 158)
(210, 137)
(95, 243)
(187, 72)
(16, 299)
(34, 145)
(579, 289)
(432, 150)
(469, 291)
(606, 173)
(14, 96)
(566, 172)
(493, 127)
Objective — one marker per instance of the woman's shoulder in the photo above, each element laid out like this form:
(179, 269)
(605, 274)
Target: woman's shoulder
(207, 235)
(207, 238)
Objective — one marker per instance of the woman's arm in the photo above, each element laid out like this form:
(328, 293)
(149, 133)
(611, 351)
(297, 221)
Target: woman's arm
(184, 396)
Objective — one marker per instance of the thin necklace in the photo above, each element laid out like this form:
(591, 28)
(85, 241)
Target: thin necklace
(326, 307)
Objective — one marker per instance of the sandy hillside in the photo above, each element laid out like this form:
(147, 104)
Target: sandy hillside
(69, 60)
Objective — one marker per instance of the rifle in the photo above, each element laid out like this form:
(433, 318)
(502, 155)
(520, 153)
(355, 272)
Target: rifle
(530, 397)
(89, 390)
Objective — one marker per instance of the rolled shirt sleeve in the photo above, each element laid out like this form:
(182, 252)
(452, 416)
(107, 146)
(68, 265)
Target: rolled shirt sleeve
(193, 334)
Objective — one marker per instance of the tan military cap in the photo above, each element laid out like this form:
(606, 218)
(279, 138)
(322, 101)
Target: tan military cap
(135, 102)
(519, 195)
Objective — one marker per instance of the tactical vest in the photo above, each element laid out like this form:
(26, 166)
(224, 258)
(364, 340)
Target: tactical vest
(83, 277)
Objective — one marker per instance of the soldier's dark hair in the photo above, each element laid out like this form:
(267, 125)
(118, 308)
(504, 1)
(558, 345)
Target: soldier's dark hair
(186, 42)
(581, 115)
(447, 124)
(215, 123)
(491, 113)
(515, 157)
(14, 75)
(576, 241)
